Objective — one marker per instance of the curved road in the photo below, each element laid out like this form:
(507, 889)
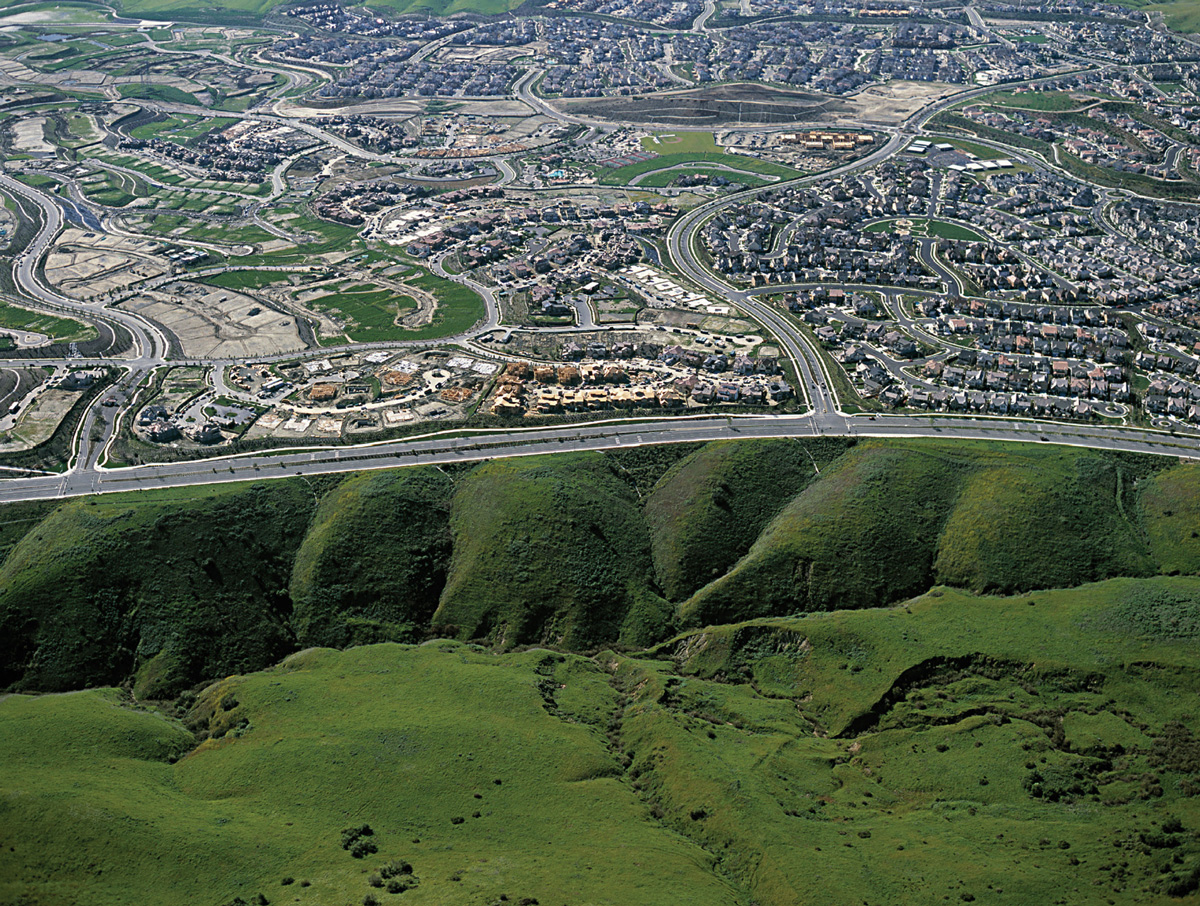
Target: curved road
(149, 342)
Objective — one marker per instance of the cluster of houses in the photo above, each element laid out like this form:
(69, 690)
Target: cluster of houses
(351, 203)
(494, 232)
(986, 402)
(1171, 230)
(335, 18)
(371, 132)
(1174, 398)
(619, 47)
(247, 149)
(1180, 309)
(664, 13)
(1057, 377)
(1103, 144)
(381, 77)
(817, 140)
(596, 57)
(157, 425)
(627, 376)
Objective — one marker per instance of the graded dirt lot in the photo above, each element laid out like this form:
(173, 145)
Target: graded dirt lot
(210, 322)
(29, 136)
(85, 264)
(38, 422)
(894, 102)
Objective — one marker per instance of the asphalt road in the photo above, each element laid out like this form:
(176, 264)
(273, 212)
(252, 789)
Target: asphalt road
(433, 450)
(148, 340)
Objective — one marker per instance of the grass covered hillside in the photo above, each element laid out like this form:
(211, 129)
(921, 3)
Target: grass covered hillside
(169, 588)
(550, 550)
(163, 591)
(373, 562)
(1028, 749)
(706, 512)
(441, 770)
(889, 520)
(864, 535)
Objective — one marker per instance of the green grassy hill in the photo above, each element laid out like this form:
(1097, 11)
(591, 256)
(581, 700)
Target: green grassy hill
(864, 535)
(373, 562)
(888, 520)
(166, 590)
(1046, 519)
(550, 550)
(1030, 749)
(460, 764)
(1170, 508)
(707, 511)
(171, 587)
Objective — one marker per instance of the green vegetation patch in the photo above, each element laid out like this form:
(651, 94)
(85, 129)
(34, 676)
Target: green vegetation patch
(149, 91)
(668, 159)
(681, 142)
(888, 521)
(162, 590)
(369, 313)
(708, 509)
(957, 749)
(550, 550)
(459, 307)
(65, 330)
(1048, 101)
(1064, 519)
(183, 586)
(1181, 15)
(863, 536)
(1170, 510)
(440, 768)
(373, 563)
(667, 177)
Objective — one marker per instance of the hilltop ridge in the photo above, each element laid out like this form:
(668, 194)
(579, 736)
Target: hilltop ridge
(164, 590)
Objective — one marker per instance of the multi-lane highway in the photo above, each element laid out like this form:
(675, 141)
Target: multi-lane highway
(452, 447)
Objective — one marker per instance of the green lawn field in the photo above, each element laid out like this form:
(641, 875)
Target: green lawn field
(59, 329)
(155, 92)
(622, 175)
(660, 180)
(1049, 101)
(674, 149)
(369, 313)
